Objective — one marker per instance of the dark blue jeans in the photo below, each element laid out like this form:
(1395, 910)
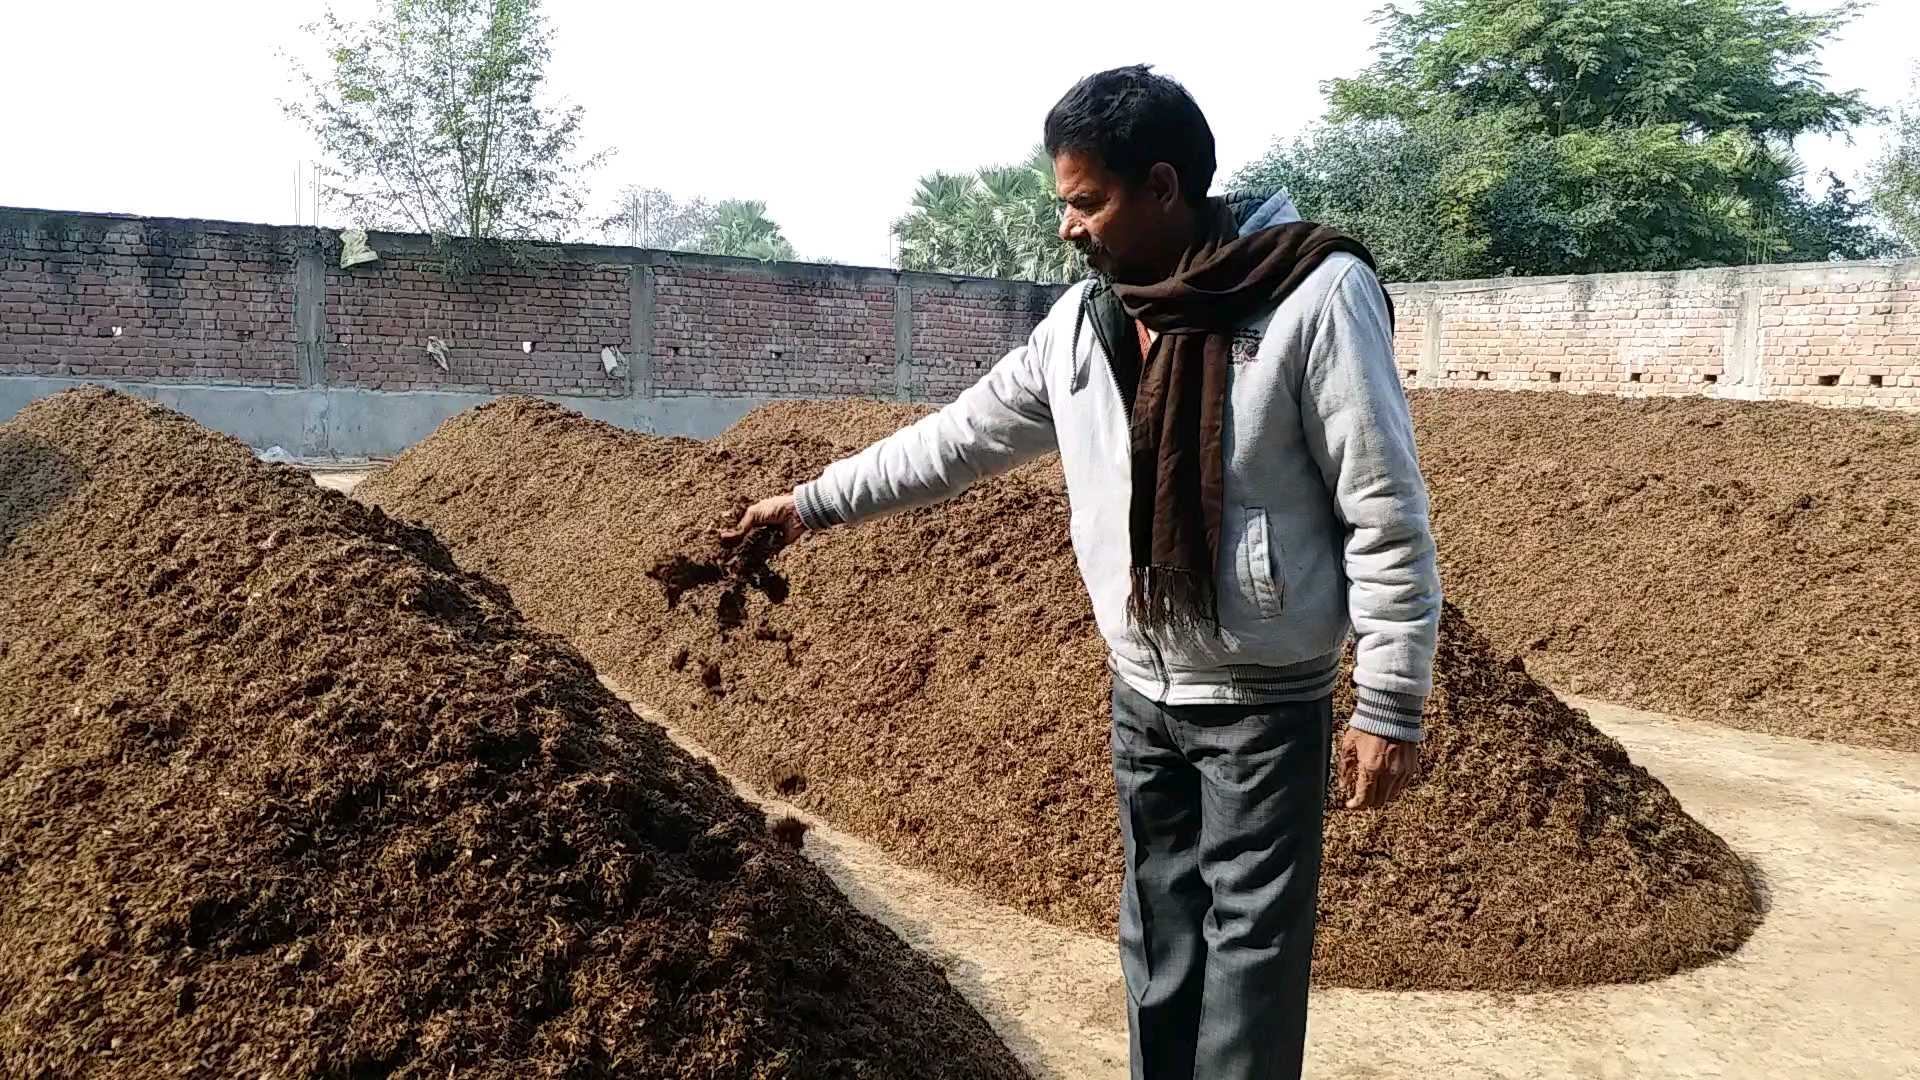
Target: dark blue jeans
(1220, 812)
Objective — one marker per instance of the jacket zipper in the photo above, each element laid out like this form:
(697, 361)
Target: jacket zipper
(1126, 410)
(1106, 349)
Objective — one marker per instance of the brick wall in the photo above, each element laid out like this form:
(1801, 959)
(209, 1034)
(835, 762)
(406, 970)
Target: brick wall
(1624, 338)
(732, 333)
(1832, 334)
(959, 332)
(1409, 335)
(378, 322)
(218, 302)
(1853, 342)
(188, 300)
(221, 303)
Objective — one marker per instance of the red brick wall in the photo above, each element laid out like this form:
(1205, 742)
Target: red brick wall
(741, 334)
(191, 302)
(959, 331)
(379, 316)
(225, 303)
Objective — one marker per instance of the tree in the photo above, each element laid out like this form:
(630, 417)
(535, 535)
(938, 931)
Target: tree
(652, 218)
(1709, 66)
(741, 227)
(1894, 179)
(1579, 136)
(999, 221)
(1834, 226)
(1431, 197)
(430, 119)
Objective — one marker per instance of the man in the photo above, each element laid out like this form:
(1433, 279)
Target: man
(1240, 464)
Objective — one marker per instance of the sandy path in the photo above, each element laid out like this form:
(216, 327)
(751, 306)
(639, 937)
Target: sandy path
(1829, 986)
(341, 479)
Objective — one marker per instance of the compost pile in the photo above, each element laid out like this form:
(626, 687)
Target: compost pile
(1748, 563)
(284, 791)
(935, 682)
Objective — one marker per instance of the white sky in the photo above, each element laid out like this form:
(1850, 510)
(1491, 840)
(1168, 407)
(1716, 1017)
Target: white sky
(828, 112)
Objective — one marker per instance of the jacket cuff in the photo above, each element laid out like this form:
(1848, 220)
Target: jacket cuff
(812, 506)
(1388, 715)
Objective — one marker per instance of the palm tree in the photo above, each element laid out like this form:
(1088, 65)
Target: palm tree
(741, 227)
(999, 221)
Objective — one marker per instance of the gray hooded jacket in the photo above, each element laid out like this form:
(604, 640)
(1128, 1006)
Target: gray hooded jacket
(1324, 529)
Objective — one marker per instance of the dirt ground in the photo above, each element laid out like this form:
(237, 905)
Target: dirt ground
(1740, 562)
(1824, 988)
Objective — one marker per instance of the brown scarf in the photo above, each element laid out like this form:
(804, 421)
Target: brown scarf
(1179, 409)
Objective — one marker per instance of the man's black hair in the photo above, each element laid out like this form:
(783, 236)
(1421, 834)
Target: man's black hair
(1132, 119)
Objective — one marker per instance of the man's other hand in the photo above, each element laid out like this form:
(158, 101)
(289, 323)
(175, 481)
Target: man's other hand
(1375, 770)
(778, 512)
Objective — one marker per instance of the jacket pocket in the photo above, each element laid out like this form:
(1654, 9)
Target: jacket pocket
(1259, 581)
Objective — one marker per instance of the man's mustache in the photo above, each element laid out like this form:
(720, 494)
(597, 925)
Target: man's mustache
(1089, 247)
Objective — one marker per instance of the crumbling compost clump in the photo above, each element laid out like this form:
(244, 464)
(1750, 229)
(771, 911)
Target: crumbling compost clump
(738, 567)
(286, 792)
(935, 682)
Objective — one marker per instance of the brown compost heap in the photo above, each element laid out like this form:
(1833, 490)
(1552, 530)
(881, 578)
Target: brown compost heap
(935, 682)
(285, 792)
(1748, 563)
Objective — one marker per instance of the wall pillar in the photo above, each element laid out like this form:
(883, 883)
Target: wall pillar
(640, 286)
(903, 388)
(1433, 365)
(310, 312)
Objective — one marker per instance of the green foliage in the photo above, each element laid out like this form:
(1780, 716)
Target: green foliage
(999, 221)
(1580, 136)
(652, 218)
(1425, 195)
(430, 121)
(741, 227)
(1557, 66)
(1834, 227)
(1894, 179)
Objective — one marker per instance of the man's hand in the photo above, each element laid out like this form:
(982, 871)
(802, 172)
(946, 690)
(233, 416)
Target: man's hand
(1374, 771)
(778, 512)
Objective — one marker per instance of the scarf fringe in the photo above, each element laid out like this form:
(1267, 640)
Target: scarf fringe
(1173, 600)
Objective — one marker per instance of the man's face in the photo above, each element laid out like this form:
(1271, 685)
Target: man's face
(1128, 232)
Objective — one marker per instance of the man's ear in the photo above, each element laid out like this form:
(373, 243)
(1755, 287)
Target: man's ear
(1163, 183)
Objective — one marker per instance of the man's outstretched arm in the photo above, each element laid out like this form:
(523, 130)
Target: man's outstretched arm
(995, 424)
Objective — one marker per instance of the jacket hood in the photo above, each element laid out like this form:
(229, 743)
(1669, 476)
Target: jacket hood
(1261, 209)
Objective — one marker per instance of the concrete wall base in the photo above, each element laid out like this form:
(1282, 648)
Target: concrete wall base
(344, 424)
